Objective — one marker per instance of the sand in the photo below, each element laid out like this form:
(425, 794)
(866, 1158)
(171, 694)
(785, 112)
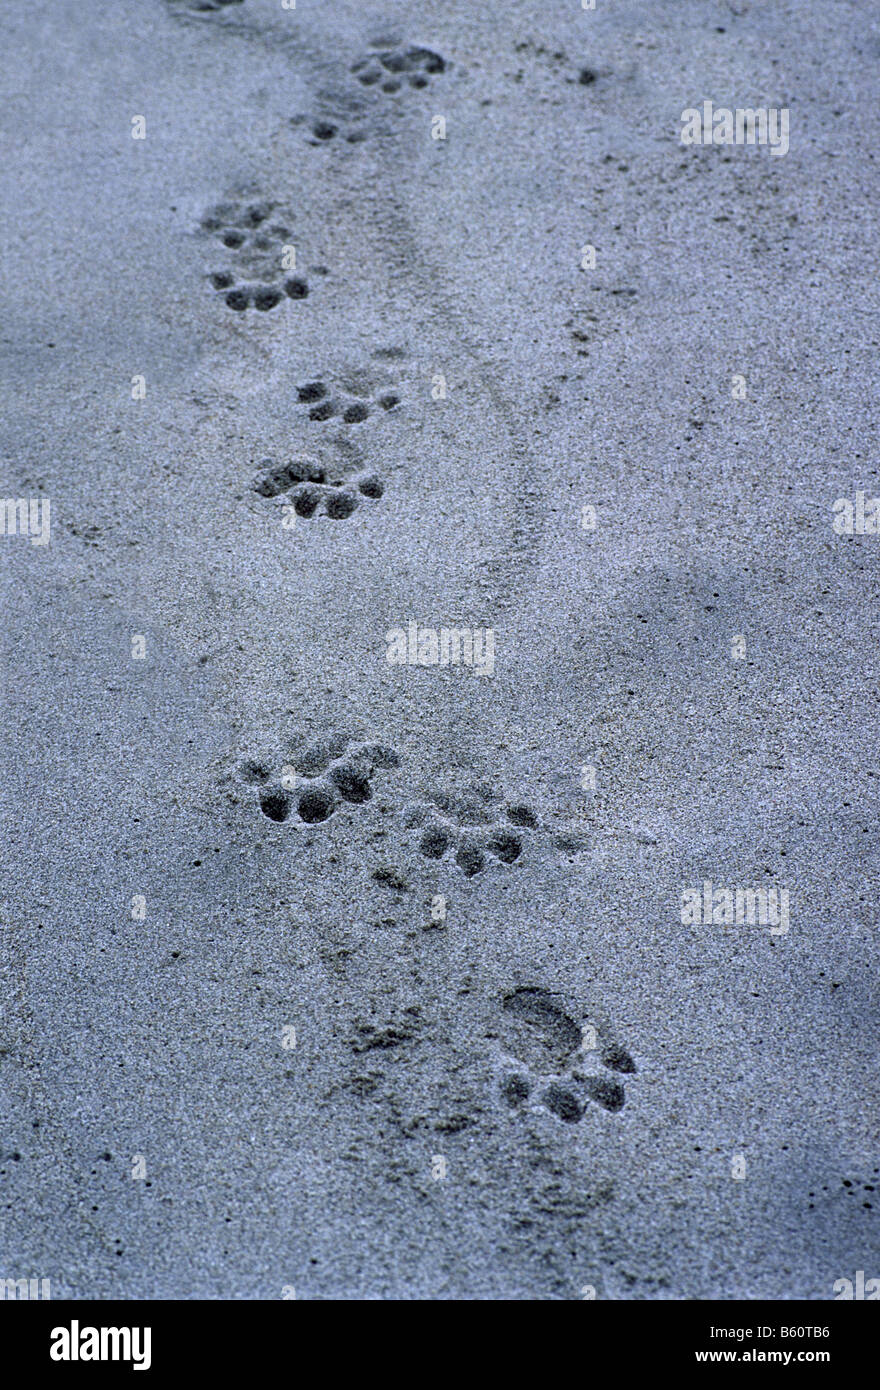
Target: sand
(453, 1040)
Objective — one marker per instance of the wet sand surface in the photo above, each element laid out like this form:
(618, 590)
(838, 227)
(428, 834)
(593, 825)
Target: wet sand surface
(366, 978)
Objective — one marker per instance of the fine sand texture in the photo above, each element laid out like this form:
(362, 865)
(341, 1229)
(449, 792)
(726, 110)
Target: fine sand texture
(333, 962)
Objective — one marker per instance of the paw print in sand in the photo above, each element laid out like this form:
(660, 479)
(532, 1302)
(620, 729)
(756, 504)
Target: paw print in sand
(470, 827)
(558, 1063)
(251, 272)
(390, 69)
(310, 489)
(318, 779)
(356, 397)
(203, 7)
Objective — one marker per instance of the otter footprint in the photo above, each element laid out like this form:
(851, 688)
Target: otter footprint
(256, 240)
(472, 826)
(308, 489)
(389, 70)
(538, 1031)
(201, 7)
(318, 778)
(356, 397)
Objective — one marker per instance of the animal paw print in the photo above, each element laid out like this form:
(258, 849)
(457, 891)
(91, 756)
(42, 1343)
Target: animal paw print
(472, 826)
(203, 6)
(553, 1053)
(391, 68)
(319, 778)
(307, 487)
(352, 402)
(388, 70)
(253, 275)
